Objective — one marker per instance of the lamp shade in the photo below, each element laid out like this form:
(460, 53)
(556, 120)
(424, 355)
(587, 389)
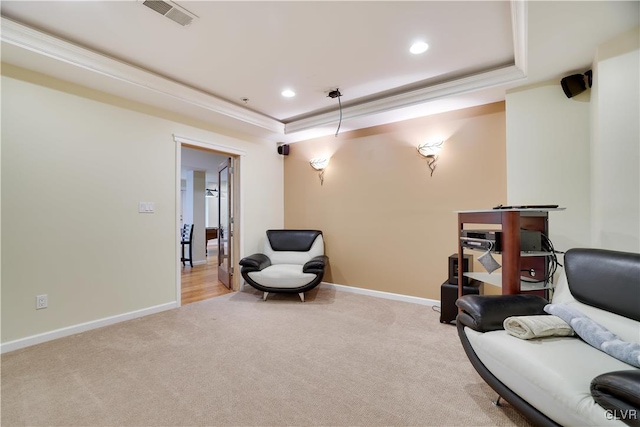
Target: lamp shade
(430, 149)
(319, 163)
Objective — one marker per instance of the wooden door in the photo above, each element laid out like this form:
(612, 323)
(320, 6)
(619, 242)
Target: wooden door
(225, 227)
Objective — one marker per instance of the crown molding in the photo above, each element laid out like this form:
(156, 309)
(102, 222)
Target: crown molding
(44, 44)
(53, 47)
(419, 96)
(519, 27)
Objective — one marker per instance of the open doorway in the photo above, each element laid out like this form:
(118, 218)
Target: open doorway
(207, 201)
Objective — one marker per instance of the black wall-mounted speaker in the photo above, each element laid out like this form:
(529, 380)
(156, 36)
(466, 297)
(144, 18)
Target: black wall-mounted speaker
(576, 83)
(283, 149)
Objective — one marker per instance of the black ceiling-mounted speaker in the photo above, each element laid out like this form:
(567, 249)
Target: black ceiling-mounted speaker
(283, 149)
(576, 83)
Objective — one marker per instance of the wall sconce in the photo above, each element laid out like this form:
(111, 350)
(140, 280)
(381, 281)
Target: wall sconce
(319, 164)
(211, 193)
(430, 150)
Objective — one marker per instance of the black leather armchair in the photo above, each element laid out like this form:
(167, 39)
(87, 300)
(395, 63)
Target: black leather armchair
(293, 261)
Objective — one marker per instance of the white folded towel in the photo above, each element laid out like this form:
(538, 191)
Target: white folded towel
(528, 327)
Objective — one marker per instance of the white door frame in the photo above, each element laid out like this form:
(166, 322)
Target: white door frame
(237, 247)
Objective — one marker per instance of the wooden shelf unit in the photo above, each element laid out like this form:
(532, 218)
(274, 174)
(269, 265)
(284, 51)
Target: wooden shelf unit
(513, 261)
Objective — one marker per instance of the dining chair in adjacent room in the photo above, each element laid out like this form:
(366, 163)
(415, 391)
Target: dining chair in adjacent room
(187, 239)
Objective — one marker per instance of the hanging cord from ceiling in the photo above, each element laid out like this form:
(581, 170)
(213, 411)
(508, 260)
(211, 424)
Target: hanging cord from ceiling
(336, 94)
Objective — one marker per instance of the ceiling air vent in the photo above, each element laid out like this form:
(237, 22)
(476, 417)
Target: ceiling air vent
(171, 10)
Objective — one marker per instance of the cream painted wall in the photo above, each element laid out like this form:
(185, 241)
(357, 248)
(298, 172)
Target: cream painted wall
(615, 160)
(548, 158)
(388, 225)
(75, 164)
(582, 153)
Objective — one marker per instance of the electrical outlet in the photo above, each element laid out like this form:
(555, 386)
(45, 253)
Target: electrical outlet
(41, 301)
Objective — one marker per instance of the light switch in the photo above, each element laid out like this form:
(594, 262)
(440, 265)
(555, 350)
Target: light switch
(146, 207)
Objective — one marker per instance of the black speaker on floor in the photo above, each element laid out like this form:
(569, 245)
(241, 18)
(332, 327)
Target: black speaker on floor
(449, 296)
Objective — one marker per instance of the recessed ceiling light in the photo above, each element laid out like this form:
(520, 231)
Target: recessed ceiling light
(419, 47)
(288, 93)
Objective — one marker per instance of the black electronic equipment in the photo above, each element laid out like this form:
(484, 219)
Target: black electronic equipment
(467, 265)
(283, 150)
(530, 241)
(449, 296)
(532, 207)
(576, 83)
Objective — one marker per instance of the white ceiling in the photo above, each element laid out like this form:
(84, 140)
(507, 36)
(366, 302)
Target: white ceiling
(254, 50)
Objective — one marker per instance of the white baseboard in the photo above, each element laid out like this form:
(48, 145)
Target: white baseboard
(381, 294)
(82, 327)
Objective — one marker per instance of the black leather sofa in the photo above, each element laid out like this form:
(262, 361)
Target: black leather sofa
(562, 380)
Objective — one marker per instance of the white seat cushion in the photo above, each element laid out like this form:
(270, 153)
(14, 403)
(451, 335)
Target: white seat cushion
(552, 374)
(282, 276)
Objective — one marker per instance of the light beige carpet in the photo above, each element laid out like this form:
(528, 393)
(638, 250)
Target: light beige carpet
(338, 359)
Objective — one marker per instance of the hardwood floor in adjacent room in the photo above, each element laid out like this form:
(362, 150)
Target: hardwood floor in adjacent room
(200, 282)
